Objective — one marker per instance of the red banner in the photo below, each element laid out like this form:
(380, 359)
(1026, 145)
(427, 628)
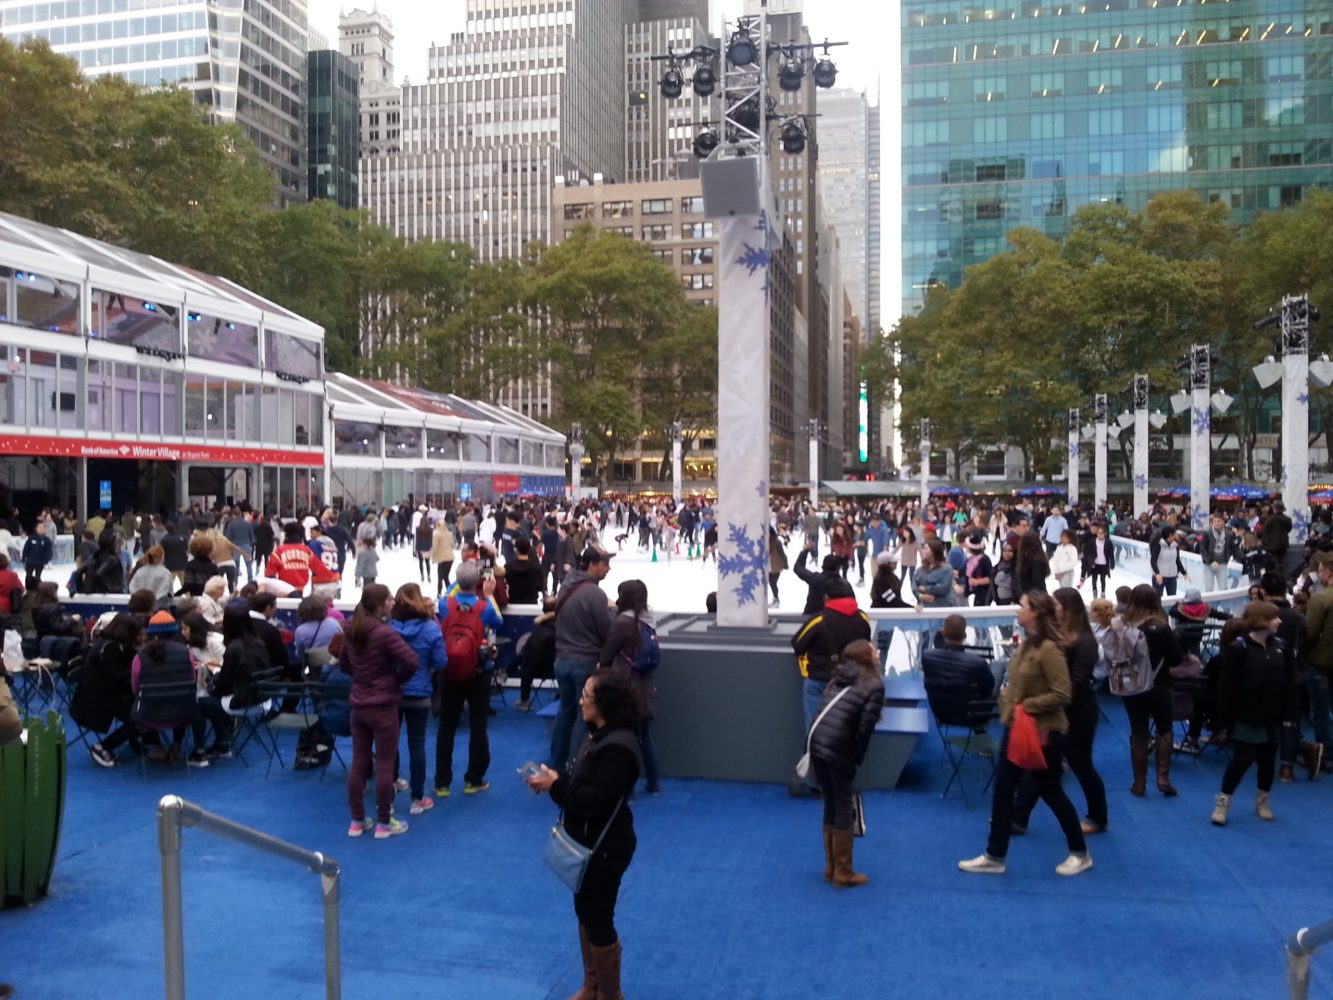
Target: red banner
(137, 451)
(505, 484)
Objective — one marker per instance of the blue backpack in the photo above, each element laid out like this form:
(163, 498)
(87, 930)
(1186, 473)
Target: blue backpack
(647, 650)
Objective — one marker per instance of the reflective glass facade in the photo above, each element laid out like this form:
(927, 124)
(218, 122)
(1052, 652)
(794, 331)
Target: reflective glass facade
(1019, 112)
(244, 59)
(333, 139)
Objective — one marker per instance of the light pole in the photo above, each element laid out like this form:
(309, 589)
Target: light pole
(1139, 388)
(675, 462)
(1071, 468)
(738, 193)
(925, 464)
(575, 459)
(1099, 451)
(1294, 320)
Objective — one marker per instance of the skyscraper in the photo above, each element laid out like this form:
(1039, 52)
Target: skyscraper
(366, 38)
(512, 101)
(332, 135)
(244, 60)
(844, 176)
(1019, 113)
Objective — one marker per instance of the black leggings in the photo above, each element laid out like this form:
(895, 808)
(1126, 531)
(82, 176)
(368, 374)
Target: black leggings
(1242, 756)
(1154, 705)
(442, 574)
(1077, 749)
(423, 564)
(773, 583)
(836, 787)
(595, 902)
(1099, 576)
(1007, 776)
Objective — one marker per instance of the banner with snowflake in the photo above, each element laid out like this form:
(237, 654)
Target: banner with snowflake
(743, 422)
(1201, 442)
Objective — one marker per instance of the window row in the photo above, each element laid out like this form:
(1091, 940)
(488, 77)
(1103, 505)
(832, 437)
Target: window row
(359, 437)
(693, 205)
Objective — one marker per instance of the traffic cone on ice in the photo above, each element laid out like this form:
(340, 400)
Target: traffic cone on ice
(654, 552)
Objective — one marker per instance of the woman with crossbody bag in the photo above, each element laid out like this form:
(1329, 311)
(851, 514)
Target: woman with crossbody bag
(593, 798)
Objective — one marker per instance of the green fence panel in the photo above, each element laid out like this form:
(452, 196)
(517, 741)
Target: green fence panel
(33, 797)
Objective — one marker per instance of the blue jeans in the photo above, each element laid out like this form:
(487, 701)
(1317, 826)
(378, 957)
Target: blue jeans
(570, 676)
(1317, 685)
(812, 697)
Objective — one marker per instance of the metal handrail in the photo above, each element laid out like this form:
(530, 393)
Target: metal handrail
(174, 813)
(1301, 946)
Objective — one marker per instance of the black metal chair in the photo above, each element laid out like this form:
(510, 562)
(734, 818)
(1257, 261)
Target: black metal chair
(165, 705)
(963, 724)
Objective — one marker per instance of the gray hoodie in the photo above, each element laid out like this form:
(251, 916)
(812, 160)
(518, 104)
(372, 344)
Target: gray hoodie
(582, 618)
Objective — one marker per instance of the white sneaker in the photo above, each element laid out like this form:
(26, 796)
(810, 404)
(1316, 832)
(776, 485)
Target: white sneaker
(401, 785)
(982, 864)
(1075, 864)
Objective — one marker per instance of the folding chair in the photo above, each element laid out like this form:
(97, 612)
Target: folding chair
(305, 716)
(963, 725)
(73, 676)
(331, 709)
(163, 706)
(250, 720)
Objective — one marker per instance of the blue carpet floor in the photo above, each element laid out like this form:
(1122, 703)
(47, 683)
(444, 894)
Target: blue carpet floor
(724, 899)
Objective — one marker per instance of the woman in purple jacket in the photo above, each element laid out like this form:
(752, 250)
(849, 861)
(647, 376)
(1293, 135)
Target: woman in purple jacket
(379, 662)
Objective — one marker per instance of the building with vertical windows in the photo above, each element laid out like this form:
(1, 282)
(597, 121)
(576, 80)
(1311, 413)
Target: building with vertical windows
(659, 133)
(333, 140)
(1021, 111)
(522, 94)
(245, 63)
(366, 38)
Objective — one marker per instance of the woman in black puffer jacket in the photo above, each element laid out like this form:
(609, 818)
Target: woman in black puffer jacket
(838, 743)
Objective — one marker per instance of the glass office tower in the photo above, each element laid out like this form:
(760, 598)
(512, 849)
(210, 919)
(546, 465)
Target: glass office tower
(244, 59)
(1017, 112)
(333, 138)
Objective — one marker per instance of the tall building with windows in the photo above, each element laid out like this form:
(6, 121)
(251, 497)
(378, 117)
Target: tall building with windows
(659, 132)
(1019, 112)
(366, 38)
(844, 177)
(332, 139)
(522, 94)
(245, 61)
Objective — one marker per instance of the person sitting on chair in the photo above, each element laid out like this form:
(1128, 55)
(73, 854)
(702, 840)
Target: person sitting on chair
(952, 672)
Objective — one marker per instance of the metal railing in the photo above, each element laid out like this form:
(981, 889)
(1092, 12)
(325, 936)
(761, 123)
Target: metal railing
(1301, 946)
(173, 814)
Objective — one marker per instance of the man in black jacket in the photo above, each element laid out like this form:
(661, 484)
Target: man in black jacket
(820, 642)
(954, 677)
(1292, 633)
(1217, 546)
(818, 582)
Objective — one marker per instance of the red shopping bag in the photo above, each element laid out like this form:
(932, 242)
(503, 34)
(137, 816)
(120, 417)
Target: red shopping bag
(1025, 742)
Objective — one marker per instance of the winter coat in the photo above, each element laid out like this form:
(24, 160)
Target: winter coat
(582, 618)
(817, 582)
(603, 775)
(104, 693)
(1258, 685)
(938, 583)
(524, 580)
(198, 572)
(1090, 554)
(106, 575)
(1065, 559)
(380, 669)
(1039, 681)
(243, 659)
(842, 737)
(619, 651)
(427, 641)
(820, 641)
(157, 578)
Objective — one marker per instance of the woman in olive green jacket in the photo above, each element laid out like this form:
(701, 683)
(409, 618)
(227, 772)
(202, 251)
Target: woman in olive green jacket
(1038, 680)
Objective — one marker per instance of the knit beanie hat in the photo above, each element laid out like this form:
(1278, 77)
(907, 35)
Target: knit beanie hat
(162, 623)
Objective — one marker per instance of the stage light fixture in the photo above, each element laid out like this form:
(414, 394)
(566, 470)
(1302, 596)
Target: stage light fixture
(705, 80)
(825, 74)
(793, 136)
(741, 48)
(673, 82)
(791, 75)
(705, 142)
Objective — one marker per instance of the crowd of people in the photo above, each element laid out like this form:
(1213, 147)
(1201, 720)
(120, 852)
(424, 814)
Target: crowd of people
(409, 653)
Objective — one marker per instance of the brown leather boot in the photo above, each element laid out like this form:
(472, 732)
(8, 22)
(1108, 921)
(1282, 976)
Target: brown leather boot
(828, 854)
(843, 874)
(1164, 765)
(1138, 759)
(588, 991)
(606, 963)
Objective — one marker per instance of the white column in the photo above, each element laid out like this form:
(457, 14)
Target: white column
(575, 459)
(925, 464)
(675, 464)
(1296, 441)
(1140, 444)
(1201, 437)
(743, 431)
(1099, 453)
(813, 430)
(1071, 467)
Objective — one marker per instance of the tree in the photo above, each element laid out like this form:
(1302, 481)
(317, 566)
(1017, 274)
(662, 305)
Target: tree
(408, 289)
(604, 300)
(680, 382)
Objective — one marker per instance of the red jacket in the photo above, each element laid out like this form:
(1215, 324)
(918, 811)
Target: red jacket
(11, 592)
(294, 563)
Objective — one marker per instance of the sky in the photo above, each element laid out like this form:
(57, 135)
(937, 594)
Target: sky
(870, 63)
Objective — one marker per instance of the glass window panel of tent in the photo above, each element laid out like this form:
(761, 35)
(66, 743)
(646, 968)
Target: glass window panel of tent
(215, 408)
(40, 388)
(122, 318)
(125, 408)
(216, 338)
(356, 437)
(173, 395)
(290, 355)
(530, 452)
(507, 451)
(40, 302)
(196, 406)
(402, 441)
(150, 400)
(442, 445)
(477, 448)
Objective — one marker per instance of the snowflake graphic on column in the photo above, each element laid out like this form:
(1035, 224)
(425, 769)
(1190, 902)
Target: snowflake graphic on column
(1300, 525)
(1140, 482)
(1303, 398)
(747, 560)
(761, 490)
(1202, 421)
(1073, 451)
